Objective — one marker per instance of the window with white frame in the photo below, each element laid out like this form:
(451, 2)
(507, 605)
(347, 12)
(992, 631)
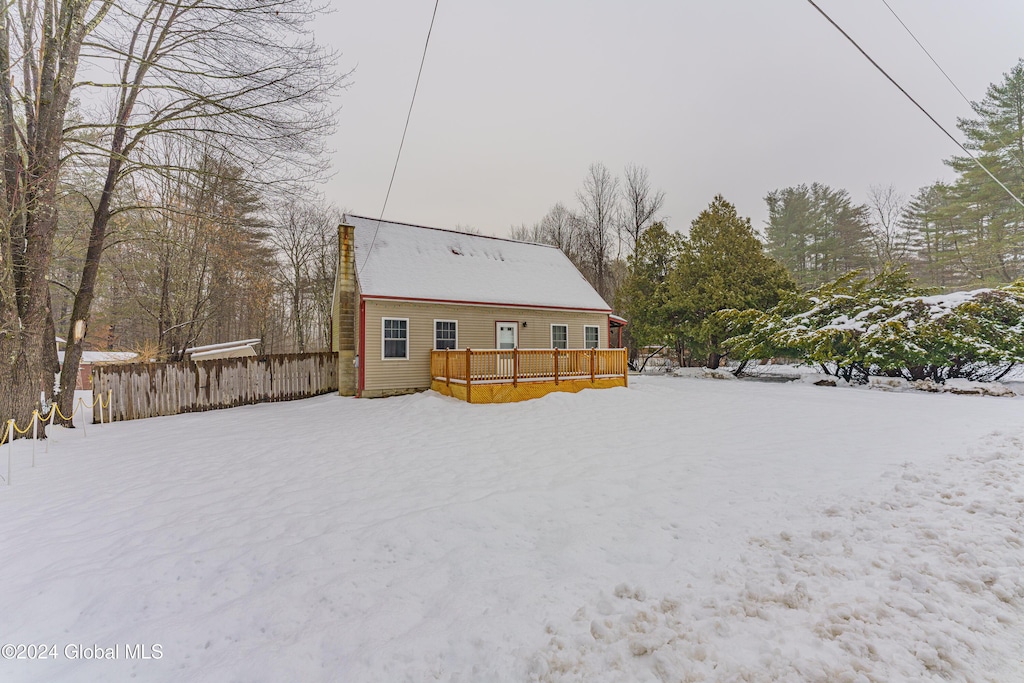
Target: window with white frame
(591, 336)
(559, 336)
(395, 340)
(446, 334)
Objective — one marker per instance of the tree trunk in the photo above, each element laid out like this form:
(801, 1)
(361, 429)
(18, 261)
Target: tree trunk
(22, 397)
(51, 362)
(300, 337)
(90, 273)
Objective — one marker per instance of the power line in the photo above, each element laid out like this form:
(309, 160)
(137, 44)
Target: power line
(405, 130)
(916, 103)
(939, 67)
(925, 50)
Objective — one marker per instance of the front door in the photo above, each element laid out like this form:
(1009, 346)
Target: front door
(507, 335)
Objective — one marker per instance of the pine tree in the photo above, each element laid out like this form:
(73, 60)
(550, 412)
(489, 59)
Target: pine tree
(643, 296)
(817, 232)
(935, 237)
(990, 245)
(722, 265)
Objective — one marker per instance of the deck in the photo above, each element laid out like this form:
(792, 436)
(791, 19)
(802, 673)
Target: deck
(505, 376)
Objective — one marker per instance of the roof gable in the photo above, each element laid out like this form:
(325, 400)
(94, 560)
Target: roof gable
(417, 262)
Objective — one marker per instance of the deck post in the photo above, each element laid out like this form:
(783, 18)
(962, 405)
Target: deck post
(469, 375)
(556, 366)
(593, 359)
(625, 366)
(447, 371)
(515, 366)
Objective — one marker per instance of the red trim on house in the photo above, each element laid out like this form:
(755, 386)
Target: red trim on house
(481, 303)
(361, 382)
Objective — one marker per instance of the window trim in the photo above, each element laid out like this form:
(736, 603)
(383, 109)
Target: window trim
(597, 329)
(443, 320)
(384, 339)
(552, 337)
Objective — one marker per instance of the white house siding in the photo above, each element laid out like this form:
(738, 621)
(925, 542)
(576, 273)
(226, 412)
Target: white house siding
(475, 330)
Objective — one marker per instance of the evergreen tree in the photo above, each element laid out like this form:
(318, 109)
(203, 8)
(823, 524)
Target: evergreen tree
(722, 264)
(817, 232)
(857, 326)
(643, 295)
(935, 237)
(990, 223)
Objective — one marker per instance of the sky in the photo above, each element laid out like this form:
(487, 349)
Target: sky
(731, 97)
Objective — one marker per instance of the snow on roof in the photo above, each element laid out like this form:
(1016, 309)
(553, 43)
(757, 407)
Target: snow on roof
(221, 345)
(102, 356)
(224, 352)
(417, 262)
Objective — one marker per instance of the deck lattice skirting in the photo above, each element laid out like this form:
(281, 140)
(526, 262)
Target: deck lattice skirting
(508, 375)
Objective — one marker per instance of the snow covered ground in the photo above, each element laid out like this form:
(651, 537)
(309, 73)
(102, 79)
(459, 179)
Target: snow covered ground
(678, 530)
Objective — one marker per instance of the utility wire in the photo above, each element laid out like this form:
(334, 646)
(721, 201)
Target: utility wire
(916, 104)
(939, 67)
(925, 50)
(405, 130)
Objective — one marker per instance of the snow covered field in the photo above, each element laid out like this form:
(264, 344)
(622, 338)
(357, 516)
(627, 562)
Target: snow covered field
(678, 530)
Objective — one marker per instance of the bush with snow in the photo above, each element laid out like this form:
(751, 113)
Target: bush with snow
(857, 326)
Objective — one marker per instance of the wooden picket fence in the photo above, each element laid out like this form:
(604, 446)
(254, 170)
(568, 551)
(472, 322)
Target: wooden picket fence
(141, 390)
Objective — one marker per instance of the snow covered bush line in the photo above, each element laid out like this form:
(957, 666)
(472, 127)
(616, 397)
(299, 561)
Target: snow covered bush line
(922, 582)
(856, 327)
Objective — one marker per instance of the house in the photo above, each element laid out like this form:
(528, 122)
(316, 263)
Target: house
(418, 307)
(91, 358)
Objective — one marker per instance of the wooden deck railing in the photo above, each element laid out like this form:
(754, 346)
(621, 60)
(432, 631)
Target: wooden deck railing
(469, 366)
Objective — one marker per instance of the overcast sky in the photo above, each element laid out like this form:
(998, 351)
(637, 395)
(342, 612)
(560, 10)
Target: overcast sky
(736, 97)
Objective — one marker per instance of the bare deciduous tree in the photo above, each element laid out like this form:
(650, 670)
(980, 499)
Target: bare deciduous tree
(40, 47)
(642, 203)
(305, 239)
(599, 215)
(244, 77)
(561, 228)
(891, 242)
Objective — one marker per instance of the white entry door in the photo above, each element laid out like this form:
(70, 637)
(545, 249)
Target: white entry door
(507, 335)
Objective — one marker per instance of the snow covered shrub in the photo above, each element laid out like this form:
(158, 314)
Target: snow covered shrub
(860, 326)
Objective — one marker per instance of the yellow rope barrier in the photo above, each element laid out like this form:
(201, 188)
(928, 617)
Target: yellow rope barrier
(25, 430)
(55, 408)
(94, 401)
(11, 429)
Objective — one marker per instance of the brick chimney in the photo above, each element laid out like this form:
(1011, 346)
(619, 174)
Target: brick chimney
(344, 313)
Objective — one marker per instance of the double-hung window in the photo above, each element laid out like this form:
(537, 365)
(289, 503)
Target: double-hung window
(395, 338)
(446, 334)
(559, 336)
(591, 337)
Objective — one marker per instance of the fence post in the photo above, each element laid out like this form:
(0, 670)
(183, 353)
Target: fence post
(53, 411)
(625, 366)
(10, 448)
(35, 434)
(556, 366)
(447, 370)
(469, 375)
(515, 366)
(110, 406)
